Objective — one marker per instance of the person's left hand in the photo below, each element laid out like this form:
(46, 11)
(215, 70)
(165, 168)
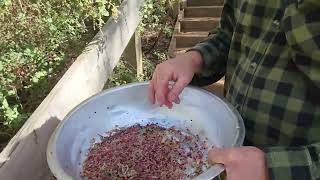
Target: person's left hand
(241, 162)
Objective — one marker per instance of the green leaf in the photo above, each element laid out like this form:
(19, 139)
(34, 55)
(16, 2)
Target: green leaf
(1, 66)
(35, 41)
(11, 92)
(35, 79)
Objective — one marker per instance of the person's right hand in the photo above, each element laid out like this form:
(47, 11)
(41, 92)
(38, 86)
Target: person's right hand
(246, 162)
(180, 70)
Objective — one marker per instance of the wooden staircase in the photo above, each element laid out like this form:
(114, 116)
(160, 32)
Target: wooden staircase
(195, 20)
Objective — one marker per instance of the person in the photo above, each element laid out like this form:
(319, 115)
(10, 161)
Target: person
(269, 53)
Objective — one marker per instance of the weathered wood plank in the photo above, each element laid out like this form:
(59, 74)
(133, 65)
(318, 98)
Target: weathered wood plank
(199, 24)
(204, 2)
(133, 53)
(202, 11)
(25, 155)
(174, 8)
(173, 42)
(138, 48)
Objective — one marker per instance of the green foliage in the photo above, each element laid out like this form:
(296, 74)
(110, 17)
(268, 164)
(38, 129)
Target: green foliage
(148, 68)
(154, 19)
(123, 73)
(154, 15)
(168, 31)
(37, 39)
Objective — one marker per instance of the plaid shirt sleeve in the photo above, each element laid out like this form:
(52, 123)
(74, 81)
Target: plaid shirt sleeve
(214, 50)
(302, 29)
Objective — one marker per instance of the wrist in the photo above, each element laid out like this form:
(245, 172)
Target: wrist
(196, 59)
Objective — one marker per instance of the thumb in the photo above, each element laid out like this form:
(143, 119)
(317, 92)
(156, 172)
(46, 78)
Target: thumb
(219, 155)
(177, 89)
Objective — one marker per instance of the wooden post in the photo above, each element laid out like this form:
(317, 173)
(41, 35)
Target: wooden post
(133, 53)
(173, 43)
(174, 8)
(183, 4)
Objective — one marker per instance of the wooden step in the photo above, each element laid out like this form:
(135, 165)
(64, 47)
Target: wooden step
(202, 11)
(198, 24)
(189, 39)
(204, 2)
(216, 88)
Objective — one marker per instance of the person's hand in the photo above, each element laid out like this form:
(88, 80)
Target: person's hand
(180, 70)
(241, 162)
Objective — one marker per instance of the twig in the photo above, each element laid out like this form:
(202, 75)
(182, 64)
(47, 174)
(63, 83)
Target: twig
(5, 134)
(20, 5)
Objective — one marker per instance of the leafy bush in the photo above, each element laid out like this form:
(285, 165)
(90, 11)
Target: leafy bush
(38, 39)
(156, 26)
(155, 15)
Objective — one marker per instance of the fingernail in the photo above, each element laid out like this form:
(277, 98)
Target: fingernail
(177, 101)
(171, 98)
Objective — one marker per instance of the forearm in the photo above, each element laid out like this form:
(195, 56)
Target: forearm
(196, 59)
(214, 54)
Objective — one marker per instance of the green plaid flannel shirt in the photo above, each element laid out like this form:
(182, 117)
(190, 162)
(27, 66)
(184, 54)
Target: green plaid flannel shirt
(269, 52)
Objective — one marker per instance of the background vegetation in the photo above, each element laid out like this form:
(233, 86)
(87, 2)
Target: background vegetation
(39, 40)
(156, 29)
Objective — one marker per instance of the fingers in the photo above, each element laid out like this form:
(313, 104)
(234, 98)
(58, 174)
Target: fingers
(159, 86)
(151, 92)
(177, 100)
(219, 155)
(162, 88)
(240, 161)
(177, 88)
(168, 104)
(173, 95)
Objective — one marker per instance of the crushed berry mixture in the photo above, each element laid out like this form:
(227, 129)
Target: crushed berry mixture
(146, 152)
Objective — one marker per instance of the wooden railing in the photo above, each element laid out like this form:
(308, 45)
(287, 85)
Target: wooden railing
(25, 155)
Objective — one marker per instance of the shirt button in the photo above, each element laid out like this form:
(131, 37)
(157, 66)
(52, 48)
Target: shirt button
(276, 23)
(253, 65)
